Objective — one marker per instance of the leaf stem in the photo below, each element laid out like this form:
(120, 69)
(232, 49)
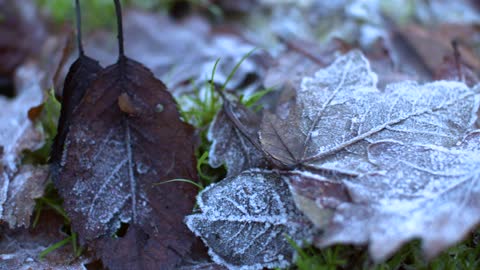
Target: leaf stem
(118, 11)
(79, 28)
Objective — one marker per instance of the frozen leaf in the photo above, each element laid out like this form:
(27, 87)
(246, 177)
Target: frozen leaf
(423, 191)
(339, 112)
(18, 200)
(229, 145)
(126, 136)
(245, 220)
(81, 73)
(17, 133)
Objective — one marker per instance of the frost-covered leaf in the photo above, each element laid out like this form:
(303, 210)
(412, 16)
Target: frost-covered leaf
(19, 201)
(125, 137)
(17, 133)
(81, 73)
(339, 112)
(423, 191)
(229, 145)
(245, 220)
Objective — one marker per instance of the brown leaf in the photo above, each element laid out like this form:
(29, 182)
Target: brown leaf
(80, 75)
(433, 44)
(229, 145)
(454, 68)
(114, 159)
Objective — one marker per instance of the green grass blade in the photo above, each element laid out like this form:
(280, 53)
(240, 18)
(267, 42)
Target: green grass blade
(54, 247)
(199, 186)
(234, 70)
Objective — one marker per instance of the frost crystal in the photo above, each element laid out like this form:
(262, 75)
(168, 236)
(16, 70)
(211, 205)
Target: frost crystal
(245, 221)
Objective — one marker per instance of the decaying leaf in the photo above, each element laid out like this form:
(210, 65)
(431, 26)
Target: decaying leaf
(112, 161)
(339, 112)
(229, 145)
(246, 219)
(81, 73)
(17, 133)
(424, 191)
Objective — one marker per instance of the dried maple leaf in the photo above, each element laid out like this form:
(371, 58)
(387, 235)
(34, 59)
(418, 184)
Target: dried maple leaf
(17, 133)
(229, 145)
(339, 112)
(245, 220)
(125, 136)
(424, 191)
(81, 73)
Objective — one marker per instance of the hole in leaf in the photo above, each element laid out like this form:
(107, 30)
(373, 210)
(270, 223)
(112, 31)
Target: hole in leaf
(122, 231)
(95, 265)
(180, 9)
(6, 87)
(159, 108)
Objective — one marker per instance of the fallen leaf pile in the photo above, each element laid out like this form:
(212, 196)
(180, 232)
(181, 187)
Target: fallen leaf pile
(365, 166)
